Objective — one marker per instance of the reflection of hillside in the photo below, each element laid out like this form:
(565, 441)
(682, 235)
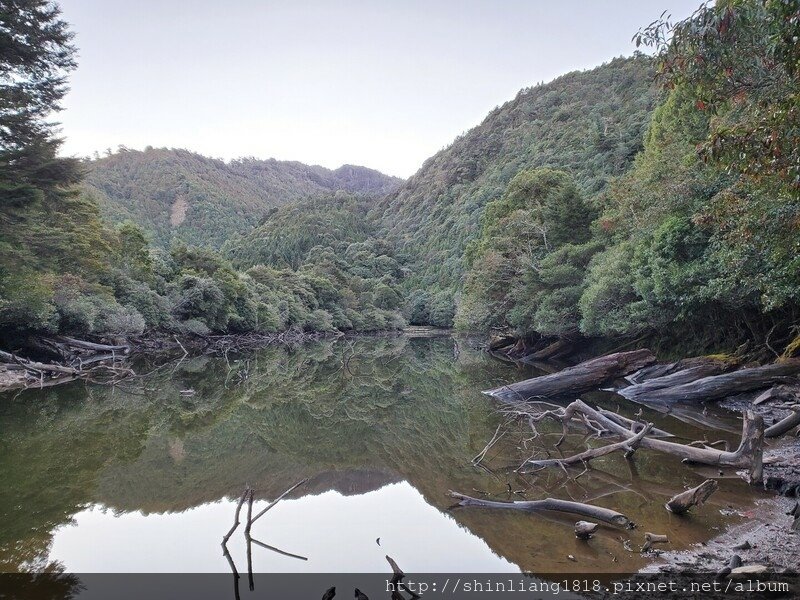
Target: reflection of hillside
(351, 416)
(272, 419)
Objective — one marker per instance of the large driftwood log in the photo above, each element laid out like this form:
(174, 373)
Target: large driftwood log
(671, 380)
(599, 513)
(585, 376)
(716, 387)
(700, 366)
(697, 496)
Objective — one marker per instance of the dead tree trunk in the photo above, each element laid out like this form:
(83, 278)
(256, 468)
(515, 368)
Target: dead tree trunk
(697, 496)
(599, 513)
(585, 376)
(702, 365)
(714, 387)
(688, 375)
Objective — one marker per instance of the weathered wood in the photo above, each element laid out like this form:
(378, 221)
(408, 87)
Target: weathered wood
(634, 426)
(37, 366)
(645, 389)
(599, 513)
(779, 392)
(628, 445)
(502, 341)
(585, 376)
(689, 368)
(236, 521)
(93, 345)
(560, 346)
(697, 496)
(717, 387)
(584, 530)
(748, 455)
(785, 425)
(274, 502)
(653, 538)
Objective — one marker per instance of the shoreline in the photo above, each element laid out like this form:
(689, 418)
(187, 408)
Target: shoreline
(764, 537)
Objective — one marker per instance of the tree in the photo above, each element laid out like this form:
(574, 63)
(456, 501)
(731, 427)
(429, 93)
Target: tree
(37, 54)
(741, 61)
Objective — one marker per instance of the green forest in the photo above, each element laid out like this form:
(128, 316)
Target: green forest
(654, 197)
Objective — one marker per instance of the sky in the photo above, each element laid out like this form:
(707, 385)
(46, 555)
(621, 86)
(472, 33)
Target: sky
(380, 83)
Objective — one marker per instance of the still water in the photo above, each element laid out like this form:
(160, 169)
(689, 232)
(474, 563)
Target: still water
(145, 476)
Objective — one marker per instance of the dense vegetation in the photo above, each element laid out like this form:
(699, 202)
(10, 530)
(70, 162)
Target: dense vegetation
(699, 240)
(649, 197)
(180, 195)
(590, 123)
(65, 269)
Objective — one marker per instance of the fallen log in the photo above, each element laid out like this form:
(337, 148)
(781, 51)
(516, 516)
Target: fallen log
(688, 375)
(697, 496)
(93, 345)
(585, 376)
(779, 392)
(785, 425)
(699, 364)
(502, 341)
(13, 359)
(599, 513)
(717, 387)
(628, 445)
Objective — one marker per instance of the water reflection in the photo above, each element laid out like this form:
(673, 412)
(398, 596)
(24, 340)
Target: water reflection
(382, 428)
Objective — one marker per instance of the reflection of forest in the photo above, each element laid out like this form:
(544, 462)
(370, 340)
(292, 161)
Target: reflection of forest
(351, 416)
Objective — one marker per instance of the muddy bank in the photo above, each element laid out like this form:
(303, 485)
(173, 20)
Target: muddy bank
(765, 537)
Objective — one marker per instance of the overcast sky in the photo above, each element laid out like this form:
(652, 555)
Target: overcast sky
(379, 83)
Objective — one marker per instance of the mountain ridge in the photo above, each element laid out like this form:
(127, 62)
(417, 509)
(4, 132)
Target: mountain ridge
(180, 194)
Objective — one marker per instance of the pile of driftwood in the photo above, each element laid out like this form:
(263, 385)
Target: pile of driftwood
(77, 359)
(677, 388)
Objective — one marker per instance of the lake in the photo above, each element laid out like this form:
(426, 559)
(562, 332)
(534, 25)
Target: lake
(145, 476)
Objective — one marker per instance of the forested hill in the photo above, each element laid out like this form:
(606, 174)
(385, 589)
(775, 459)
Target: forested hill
(589, 123)
(179, 194)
